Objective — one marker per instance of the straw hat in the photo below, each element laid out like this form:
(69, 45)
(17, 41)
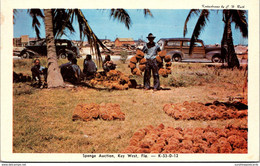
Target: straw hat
(150, 35)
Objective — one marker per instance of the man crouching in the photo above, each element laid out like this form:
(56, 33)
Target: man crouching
(39, 74)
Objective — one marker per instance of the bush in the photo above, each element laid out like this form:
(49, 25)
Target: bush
(22, 89)
(27, 63)
(177, 82)
(24, 65)
(124, 56)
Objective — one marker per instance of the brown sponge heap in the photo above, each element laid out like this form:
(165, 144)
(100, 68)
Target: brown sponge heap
(209, 111)
(113, 79)
(88, 112)
(163, 59)
(163, 139)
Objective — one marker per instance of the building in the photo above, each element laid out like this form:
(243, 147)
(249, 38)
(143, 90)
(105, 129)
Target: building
(23, 41)
(124, 41)
(17, 42)
(80, 43)
(104, 41)
(140, 43)
(241, 51)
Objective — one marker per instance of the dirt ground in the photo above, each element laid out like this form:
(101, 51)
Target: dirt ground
(43, 121)
(45, 124)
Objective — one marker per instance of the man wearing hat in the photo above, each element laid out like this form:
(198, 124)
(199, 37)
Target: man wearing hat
(151, 49)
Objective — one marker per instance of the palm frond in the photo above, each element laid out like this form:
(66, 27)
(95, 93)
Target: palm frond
(239, 18)
(122, 16)
(14, 15)
(86, 31)
(191, 13)
(202, 20)
(147, 12)
(35, 13)
(61, 22)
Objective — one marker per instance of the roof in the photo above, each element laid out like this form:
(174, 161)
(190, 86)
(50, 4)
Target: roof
(183, 39)
(125, 39)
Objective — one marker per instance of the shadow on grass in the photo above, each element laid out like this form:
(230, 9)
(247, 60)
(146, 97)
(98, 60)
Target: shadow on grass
(87, 85)
(84, 84)
(151, 88)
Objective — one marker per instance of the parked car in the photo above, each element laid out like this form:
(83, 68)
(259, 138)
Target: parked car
(178, 48)
(39, 48)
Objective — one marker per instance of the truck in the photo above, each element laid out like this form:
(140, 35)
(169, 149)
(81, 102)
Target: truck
(178, 49)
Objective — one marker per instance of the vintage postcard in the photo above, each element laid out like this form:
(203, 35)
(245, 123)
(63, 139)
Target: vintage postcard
(135, 81)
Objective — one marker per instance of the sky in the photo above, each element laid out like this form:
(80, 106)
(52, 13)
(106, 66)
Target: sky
(165, 23)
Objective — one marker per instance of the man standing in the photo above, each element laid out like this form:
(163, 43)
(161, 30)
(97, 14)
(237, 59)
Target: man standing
(151, 49)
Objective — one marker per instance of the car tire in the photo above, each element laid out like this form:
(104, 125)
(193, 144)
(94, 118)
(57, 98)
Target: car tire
(176, 58)
(25, 55)
(62, 55)
(216, 59)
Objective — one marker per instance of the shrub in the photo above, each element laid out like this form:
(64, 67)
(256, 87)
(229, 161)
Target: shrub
(177, 82)
(22, 89)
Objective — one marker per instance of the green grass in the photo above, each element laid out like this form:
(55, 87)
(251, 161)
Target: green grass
(42, 119)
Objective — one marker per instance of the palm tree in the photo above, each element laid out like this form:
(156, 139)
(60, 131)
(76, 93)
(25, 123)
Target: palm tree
(60, 20)
(227, 47)
(51, 20)
(54, 78)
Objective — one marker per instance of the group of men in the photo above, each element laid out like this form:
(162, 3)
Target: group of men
(71, 71)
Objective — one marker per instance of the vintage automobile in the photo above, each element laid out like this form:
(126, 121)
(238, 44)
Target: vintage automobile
(178, 48)
(38, 48)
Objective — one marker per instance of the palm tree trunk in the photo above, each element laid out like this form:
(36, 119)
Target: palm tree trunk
(224, 44)
(227, 43)
(54, 78)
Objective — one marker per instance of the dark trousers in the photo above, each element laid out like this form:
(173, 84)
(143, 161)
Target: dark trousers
(37, 73)
(151, 66)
